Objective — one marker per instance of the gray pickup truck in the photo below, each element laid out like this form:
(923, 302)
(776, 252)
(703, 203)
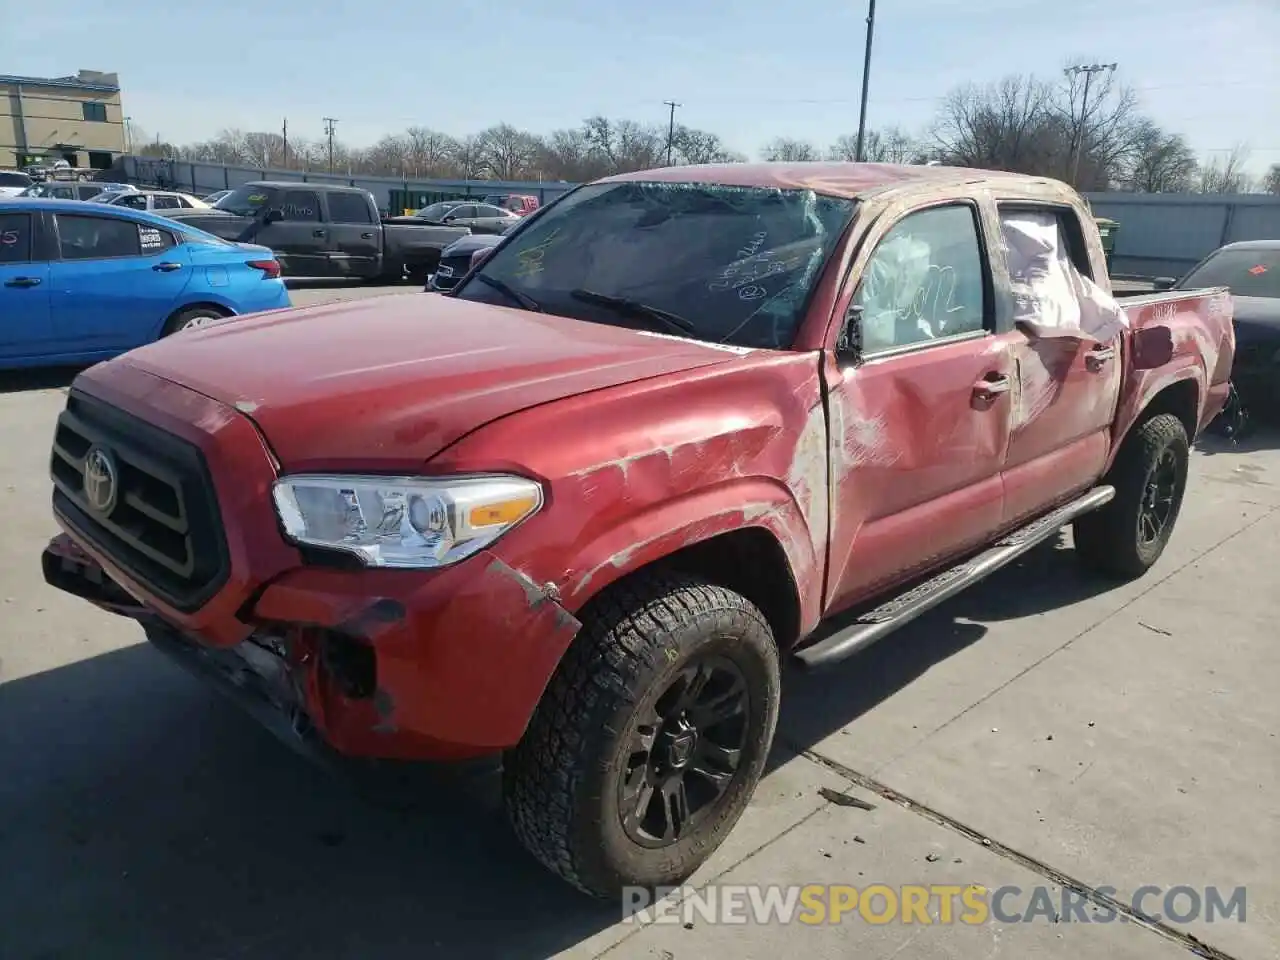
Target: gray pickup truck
(323, 230)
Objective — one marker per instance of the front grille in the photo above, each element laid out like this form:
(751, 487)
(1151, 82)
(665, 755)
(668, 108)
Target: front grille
(162, 526)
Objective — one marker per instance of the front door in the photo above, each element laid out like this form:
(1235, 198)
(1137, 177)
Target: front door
(919, 428)
(25, 328)
(301, 239)
(1065, 391)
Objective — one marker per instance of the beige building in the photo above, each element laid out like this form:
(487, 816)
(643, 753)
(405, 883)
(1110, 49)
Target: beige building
(77, 119)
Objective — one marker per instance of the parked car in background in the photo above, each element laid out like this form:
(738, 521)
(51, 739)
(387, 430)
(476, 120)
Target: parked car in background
(577, 511)
(1250, 269)
(474, 217)
(214, 197)
(325, 230)
(151, 200)
(12, 183)
(520, 203)
(60, 190)
(455, 259)
(82, 282)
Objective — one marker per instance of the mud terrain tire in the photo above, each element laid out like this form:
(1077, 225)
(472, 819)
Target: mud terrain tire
(623, 707)
(1123, 539)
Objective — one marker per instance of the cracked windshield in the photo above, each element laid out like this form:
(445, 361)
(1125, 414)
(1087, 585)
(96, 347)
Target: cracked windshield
(699, 481)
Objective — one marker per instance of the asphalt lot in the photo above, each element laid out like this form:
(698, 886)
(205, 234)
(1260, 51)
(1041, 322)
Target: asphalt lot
(1041, 729)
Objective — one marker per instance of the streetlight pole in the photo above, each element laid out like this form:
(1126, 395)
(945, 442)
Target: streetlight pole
(329, 122)
(1077, 138)
(866, 76)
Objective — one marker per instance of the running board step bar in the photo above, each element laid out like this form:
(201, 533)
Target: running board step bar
(894, 613)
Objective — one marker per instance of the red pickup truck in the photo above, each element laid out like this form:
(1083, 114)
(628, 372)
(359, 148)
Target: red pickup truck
(579, 509)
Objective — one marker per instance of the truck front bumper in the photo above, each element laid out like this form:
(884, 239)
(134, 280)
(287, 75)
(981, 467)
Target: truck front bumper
(406, 665)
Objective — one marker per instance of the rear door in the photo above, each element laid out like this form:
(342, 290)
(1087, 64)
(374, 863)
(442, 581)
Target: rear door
(300, 239)
(919, 428)
(463, 215)
(25, 327)
(1065, 391)
(355, 247)
(490, 219)
(115, 283)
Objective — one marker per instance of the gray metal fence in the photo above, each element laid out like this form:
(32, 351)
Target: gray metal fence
(1165, 234)
(205, 178)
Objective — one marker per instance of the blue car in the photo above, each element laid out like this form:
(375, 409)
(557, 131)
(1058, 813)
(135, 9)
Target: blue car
(83, 282)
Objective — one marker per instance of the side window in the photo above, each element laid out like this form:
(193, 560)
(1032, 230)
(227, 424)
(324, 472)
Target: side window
(63, 193)
(300, 205)
(154, 240)
(464, 212)
(93, 238)
(134, 201)
(15, 237)
(167, 203)
(88, 190)
(925, 280)
(349, 208)
(95, 112)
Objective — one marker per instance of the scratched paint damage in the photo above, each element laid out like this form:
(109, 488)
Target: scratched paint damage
(807, 476)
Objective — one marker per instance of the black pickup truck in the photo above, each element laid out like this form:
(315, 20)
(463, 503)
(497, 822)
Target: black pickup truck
(323, 230)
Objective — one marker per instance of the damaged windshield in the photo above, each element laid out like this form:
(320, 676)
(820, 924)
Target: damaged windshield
(719, 263)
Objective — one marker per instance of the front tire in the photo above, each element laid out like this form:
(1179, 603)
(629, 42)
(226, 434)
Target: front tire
(650, 738)
(1127, 536)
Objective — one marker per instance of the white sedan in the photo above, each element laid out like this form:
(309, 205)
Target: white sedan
(153, 200)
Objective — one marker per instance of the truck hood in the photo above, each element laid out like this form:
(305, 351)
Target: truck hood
(385, 383)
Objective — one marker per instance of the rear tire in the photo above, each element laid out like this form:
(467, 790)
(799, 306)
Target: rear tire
(670, 679)
(1126, 537)
(191, 319)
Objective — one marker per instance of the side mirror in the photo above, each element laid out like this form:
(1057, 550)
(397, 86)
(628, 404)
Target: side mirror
(481, 255)
(1164, 283)
(849, 342)
(273, 215)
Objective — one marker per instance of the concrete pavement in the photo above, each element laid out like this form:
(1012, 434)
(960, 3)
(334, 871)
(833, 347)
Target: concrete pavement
(1041, 729)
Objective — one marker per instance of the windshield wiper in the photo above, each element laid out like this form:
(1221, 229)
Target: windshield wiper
(511, 293)
(665, 318)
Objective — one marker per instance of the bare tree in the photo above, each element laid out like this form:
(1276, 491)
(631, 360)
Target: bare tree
(1271, 182)
(468, 158)
(1226, 174)
(1103, 127)
(624, 145)
(1008, 125)
(1158, 162)
(786, 150)
(701, 146)
(429, 152)
(891, 145)
(507, 153)
(567, 155)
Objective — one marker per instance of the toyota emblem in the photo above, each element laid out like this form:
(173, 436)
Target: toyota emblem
(101, 480)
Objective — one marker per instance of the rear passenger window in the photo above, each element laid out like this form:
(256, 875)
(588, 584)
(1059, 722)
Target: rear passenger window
(153, 239)
(926, 280)
(349, 208)
(300, 205)
(15, 238)
(134, 201)
(166, 203)
(92, 238)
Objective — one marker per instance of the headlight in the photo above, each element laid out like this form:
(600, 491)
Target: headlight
(403, 521)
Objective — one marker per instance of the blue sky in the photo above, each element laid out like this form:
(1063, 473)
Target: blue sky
(748, 70)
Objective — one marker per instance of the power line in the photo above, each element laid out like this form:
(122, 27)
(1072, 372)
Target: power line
(671, 128)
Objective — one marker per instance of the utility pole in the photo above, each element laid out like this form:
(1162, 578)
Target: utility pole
(1077, 135)
(284, 132)
(866, 77)
(671, 128)
(329, 122)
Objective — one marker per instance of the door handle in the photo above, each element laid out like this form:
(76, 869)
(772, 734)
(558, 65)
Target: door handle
(317, 233)
(366, 236)
(986, 391)
(167, 267)
(1096, 357)
(23, 282)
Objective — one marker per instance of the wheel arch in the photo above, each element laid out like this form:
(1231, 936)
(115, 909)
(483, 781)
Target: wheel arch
(208, 303)
(1182, 396)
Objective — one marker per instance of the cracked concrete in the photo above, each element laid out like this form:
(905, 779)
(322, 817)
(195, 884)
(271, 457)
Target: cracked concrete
(1105, 737)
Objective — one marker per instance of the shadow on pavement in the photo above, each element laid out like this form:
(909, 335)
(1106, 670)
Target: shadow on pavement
(143, 816)
(816, 705)
(37, 378)
(1260, 436)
